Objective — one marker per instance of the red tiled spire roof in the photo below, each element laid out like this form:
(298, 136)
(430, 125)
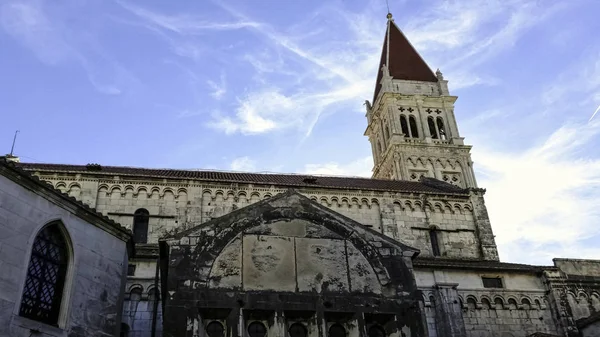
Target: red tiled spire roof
(402, 59)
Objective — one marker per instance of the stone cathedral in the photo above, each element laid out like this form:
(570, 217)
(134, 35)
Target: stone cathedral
(407, 253)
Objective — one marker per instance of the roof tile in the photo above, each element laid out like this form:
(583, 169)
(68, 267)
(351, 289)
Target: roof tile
(431, 186)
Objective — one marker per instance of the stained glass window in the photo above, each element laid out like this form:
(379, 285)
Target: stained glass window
(46, 273)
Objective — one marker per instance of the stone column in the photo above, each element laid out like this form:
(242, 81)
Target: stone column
(448, 312)
(423, 119)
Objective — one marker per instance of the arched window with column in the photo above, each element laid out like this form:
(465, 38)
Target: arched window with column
(432, 128)
(141, 217)
(404, 126)
(441, 129)
(46, 274)
(413, 127)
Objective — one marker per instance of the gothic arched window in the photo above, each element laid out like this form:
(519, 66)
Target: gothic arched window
(257, 329)
(432, 129)
(440, 127)
(337, 330)
(215, 329)
(42, 294)
(435, 245)
(404, 126)
(376, 331)
(140, 225)
(413, 127)
(298, 330)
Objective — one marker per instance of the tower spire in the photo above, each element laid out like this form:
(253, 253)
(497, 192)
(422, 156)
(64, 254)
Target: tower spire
(401, 59)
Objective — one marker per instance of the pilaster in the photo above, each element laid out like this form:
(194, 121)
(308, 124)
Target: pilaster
(448, 311)
(483, 227)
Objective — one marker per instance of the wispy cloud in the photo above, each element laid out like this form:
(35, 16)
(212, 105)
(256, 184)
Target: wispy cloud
(219, 89)
(183, 24)
(30, 24)
(27, 23)
(243, 164)
(357, 168)
(543, 197)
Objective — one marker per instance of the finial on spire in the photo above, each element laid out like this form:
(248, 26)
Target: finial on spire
(439, 74)
(389, 16)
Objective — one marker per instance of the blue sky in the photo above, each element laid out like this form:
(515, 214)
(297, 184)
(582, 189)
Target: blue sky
(279, 86)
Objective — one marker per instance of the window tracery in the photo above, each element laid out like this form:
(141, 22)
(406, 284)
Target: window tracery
(42, 294)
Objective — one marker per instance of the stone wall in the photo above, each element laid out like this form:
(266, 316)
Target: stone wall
(93, 291)
(286, 260)
(176, 204)
(519, 309)
(575, 293)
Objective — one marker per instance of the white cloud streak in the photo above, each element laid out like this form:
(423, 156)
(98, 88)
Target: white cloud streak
(29, 23)
(219, 89)
(244, 164)
(545, 196)
(183, 24)
(357, 168)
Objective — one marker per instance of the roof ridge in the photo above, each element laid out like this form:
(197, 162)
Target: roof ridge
(284, 179)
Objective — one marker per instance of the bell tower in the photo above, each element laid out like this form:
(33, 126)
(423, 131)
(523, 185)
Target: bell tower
(411, 123)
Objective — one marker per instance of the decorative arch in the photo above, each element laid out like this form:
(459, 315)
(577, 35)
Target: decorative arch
(141, 219)
(48, 278)
(432, 128)
(62, 186)
(135, 294)
(471, 302)
(499, 302)
(404, 126)
(441, 129)
(229, 227)
(412, 121)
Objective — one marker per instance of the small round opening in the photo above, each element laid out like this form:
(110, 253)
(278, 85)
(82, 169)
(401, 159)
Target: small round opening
(257, 329)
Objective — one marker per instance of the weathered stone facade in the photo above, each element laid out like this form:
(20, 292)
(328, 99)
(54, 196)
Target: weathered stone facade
(413, 255)
(288, 256)
(93, 289)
